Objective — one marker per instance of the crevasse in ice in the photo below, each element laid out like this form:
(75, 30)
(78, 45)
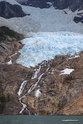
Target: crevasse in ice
(46, 45)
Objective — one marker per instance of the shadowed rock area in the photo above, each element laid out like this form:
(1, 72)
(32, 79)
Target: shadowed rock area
(8, 10)
(58, 4)
(8, 46)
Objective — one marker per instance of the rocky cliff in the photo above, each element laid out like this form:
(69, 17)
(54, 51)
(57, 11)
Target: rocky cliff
(8, 10)
(53, 87)
(59, 94)
(73, 5)
(43, 90)
(8, 46)
(59, 4)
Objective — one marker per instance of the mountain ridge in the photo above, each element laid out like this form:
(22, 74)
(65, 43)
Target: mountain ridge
(8, 10)
(58, 4)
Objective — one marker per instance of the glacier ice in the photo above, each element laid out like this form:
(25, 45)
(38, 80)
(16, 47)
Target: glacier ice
(46, 45)
(42, 20)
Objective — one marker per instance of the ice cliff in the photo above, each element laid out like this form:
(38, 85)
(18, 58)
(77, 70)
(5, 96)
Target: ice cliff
(47, 45)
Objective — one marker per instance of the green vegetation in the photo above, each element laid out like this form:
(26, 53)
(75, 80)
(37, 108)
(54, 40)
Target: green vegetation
(5, 32)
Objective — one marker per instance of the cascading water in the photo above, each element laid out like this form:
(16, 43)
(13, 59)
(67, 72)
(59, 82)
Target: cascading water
(23, 85)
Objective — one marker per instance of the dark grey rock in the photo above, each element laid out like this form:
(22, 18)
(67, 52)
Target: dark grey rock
(78, 19)
(8, 11)
(59, 4)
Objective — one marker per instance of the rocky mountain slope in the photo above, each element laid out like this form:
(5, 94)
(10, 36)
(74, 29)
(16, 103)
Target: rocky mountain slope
(43, 90)
(8, 10)
(73, 5)
(8, 46)
(53, 87)
(59, 4)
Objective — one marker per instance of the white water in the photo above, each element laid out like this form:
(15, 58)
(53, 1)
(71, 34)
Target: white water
(24, 106)
(22, 87)
(34, 85)
(37, 93)
(76, 56)
(36, 73)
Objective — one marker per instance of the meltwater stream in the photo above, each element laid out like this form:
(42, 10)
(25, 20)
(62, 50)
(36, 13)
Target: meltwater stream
(23, 85)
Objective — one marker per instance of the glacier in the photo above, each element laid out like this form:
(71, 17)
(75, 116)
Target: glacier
(42, 20)
(44, 46)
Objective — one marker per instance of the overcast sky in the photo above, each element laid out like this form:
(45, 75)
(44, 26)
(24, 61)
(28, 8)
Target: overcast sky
(21, 0)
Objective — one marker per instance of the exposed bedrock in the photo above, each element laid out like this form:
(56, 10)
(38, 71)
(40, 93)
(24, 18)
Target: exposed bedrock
(8, 10)
(60, 94)
(59, 4)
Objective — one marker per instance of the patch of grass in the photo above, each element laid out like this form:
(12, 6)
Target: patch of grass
(5, 31)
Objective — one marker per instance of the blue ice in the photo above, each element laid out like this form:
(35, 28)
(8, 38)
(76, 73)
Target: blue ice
(46, 45)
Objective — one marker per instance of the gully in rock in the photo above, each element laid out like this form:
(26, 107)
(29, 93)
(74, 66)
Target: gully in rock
(35, 75)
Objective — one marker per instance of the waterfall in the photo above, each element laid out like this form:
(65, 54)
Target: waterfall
(23, 85)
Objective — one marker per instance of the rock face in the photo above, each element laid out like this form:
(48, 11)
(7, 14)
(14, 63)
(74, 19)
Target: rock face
(59, 4)
(8, 11)
(8, 46)
(73, 5)
(60, 94)
(78, 19)
(43, 90)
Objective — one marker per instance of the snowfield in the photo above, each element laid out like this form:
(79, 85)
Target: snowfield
(48, 32)
(42, 20)
(66, 71)
(46, 45)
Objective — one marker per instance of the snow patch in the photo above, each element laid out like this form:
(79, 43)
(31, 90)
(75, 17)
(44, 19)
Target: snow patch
(76, 56)
(10, 62)
(66, 71)
(49, 3)
(37, 93)
(42, 20)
